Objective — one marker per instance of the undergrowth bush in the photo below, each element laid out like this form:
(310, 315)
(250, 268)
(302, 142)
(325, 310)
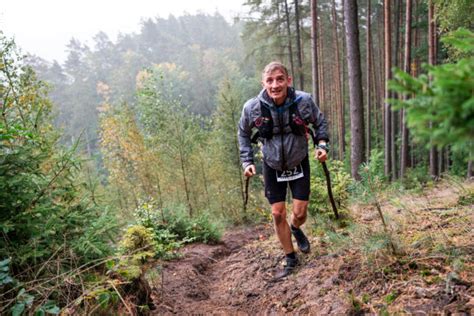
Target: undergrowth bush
(415, 178)
(369, 190)
(173, 227)
(466, 197)
(51, 222)
(340, 181)
(320, 208)
(138, 241)
(372, 182)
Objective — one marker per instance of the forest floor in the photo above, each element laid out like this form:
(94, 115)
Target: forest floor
(431, 273)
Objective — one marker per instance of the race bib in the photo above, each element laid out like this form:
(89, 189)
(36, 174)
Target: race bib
(289, 175)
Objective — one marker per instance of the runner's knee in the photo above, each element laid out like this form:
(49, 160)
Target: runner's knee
(279, 213)
(300, 215)
(300, 210)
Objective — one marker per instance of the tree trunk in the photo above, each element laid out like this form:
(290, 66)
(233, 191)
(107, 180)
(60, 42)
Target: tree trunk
(415, 70)
(368, 75)
(185, 182)
(298, 46)
(388, 75)
(355, 87)
(322, 93)
(434, 171)
(314, 50)
(342, 142)
(281, 48)
(337, 80)
(406, 67)
(394, 114)
(381, 73)
(288, 33)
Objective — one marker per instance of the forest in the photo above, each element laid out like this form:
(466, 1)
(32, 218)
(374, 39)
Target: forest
(122, 189)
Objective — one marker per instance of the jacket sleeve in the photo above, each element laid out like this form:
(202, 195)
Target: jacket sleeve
(244, 136)
(318, 122)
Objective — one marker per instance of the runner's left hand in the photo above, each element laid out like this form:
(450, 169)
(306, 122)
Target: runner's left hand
(320, 154)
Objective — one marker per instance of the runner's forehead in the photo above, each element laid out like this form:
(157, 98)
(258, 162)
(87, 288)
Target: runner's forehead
(276, 73)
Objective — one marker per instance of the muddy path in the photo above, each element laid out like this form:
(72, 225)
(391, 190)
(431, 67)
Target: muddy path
(234, 277)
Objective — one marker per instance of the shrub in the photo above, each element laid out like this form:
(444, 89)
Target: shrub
(340, 181)
(138, 239)
(372, 179)
(50, 220)
(173, 227)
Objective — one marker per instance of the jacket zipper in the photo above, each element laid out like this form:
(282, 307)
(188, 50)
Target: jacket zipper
(280, 120)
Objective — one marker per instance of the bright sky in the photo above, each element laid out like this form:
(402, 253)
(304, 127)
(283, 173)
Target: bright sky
(44, 27)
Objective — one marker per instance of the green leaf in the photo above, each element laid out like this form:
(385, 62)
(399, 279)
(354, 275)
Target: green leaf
(104, 299)
(40, 312)
(53, 310)
(18, 309)
(110, 264)
(49, 307)
(4, 263)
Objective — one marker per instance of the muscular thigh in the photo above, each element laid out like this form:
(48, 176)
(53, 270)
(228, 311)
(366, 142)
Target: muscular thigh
(300, 188)
(274, 191)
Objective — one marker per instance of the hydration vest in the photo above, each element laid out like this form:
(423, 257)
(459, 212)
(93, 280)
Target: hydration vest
(264, 123)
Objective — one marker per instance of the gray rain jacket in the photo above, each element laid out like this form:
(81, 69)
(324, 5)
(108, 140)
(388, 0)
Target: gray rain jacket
(285, 150)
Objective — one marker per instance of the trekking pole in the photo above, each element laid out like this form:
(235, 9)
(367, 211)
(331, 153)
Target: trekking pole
(246, 192)
(328, 182)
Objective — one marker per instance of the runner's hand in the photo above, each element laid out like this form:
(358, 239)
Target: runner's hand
(250, 171)
(321, 154)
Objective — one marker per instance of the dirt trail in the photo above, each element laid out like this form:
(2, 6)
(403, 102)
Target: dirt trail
(235, 277)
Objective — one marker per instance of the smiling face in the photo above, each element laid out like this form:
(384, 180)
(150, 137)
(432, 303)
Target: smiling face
(276, 83)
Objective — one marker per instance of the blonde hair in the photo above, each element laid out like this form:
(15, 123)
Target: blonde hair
(274, 65)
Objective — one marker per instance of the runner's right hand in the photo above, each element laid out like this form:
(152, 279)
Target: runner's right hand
(250, 171)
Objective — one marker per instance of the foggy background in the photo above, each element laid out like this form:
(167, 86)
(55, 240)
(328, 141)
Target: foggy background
(44, 28)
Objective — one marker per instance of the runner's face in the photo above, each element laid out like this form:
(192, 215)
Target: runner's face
(276, 84)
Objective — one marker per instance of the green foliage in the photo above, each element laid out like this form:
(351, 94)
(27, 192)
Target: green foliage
(466, 197)
(5, 277)
(415, 178)
(224, 151)
(172, 227)
(340, 181)
(204, 229)
(391, 297)
(461, 40)
(356, 304)
(369, 190)
(197, 229)
(176, 136)
(49, 307)
(372, 179)
(441, 109)
(132, 172)
(376, 242)
(23, 300)
(200, 45)
(47, 209)
(452, 14)
(138, 240)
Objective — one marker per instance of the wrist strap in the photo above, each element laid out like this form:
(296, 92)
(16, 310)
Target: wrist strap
(323, 146)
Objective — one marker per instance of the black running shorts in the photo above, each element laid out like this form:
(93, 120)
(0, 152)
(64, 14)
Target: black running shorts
(276, 191)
